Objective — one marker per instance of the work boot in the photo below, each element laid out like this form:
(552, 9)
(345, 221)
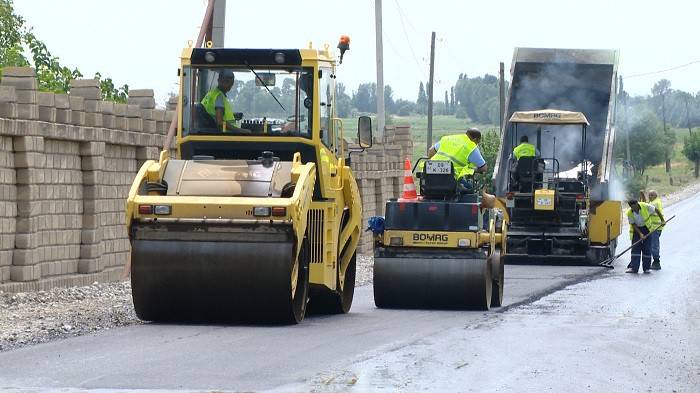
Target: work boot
(630, 270)
(656, 265)
(647, 271)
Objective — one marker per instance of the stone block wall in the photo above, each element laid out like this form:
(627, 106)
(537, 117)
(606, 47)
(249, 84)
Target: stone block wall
(66, 165)
(379, 172)
(67, 162)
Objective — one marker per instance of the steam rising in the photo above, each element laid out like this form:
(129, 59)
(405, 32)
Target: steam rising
(560, 84)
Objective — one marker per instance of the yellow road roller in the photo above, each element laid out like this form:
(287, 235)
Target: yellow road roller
(441, 250)
(259, 213)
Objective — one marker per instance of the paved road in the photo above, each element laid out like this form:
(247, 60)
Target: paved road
(615, 332)
(585, 330)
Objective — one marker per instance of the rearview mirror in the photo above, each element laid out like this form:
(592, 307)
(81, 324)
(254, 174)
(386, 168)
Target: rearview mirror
(265, 79)
(364, 131)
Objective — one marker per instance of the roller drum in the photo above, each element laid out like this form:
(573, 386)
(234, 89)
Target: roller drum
(433, 281)
(203, 276)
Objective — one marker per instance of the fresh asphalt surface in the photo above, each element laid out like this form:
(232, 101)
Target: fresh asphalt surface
(563, 328)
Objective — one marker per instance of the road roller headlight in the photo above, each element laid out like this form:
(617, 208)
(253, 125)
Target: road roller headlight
(396, 241)
(279, 211)
(261, 211)
(162, 210)
(463, 243)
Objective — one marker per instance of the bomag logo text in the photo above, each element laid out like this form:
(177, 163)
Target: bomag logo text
(430, 237)
(547, 116)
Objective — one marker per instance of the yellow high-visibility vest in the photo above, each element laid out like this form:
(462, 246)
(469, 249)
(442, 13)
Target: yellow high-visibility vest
(457, 148)
(644, 211)
(655, 220)
(524, 150)
(209, 104)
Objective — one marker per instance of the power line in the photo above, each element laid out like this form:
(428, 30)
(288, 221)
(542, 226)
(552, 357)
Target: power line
(405, 33)
(664, 70)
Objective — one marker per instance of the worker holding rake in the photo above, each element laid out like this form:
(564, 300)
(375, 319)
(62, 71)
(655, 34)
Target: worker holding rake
(641, 216)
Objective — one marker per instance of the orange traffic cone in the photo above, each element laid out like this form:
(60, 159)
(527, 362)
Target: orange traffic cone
(409, 188)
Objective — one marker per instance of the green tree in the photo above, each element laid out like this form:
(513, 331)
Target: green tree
(389, 104)
(447, 103)
(647, 142)
(660, 91)
(691, 150)
(365, 98)
(11, 37)
(404, 107)
(490, 141)
(476, 98)
(110, 92)
(343, 102)
(422, 101)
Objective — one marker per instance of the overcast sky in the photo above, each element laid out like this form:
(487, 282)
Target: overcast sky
(138, 42)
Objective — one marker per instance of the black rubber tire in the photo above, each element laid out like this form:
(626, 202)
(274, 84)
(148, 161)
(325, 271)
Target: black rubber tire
(325, 301)
(498, 276)
(485, 304)
(300, 301)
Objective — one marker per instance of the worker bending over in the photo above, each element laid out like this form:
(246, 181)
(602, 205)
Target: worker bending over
(463, 151)
(641, 224)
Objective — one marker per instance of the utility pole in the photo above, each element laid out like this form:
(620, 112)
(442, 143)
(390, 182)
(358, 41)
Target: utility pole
(429, 139)
(214, 30)
(687, 116)
(501, 95)
(380, 68)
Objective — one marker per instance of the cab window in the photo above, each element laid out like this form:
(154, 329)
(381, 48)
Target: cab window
(262, 100)
(325, 90)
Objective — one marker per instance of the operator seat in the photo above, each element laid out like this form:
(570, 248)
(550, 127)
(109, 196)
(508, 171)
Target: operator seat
(528, 171)
(203, 120)
(437, 186)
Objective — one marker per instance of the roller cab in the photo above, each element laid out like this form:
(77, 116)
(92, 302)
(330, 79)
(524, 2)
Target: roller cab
(256, 217)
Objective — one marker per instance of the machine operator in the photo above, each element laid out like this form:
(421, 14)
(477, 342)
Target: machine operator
(463, 151)
(218, 106)
(525, 149)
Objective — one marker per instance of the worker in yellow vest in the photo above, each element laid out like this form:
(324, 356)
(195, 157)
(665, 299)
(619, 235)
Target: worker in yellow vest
(463, 151)
(640, 218)
(525, 149)
(656, 234)
(218, 106)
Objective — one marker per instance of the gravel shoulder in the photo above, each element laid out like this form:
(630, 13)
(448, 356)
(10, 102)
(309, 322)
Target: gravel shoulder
(29, 318)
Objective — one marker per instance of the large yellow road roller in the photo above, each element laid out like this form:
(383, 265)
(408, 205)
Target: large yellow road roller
(259, 212)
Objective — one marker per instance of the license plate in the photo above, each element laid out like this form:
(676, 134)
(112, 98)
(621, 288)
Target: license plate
(438, 167)
(544, 201)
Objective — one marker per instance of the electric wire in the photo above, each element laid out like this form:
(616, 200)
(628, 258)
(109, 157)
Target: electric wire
(663, 70)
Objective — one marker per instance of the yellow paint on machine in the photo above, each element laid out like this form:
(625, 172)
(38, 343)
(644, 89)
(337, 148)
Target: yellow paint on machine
(434, 239)
(544, 200)
(605, 222)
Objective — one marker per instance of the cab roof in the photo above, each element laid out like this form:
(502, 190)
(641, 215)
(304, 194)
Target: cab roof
(255, 57)
(549, 116)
